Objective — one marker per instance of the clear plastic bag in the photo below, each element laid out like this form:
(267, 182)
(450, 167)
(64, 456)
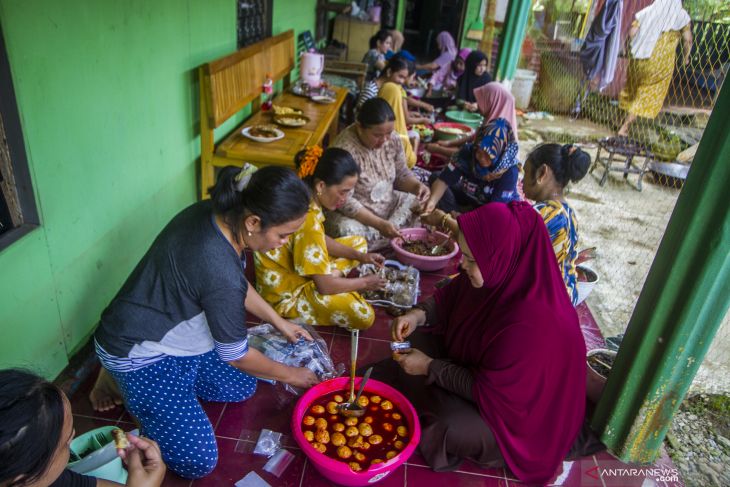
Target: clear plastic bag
(312, 355)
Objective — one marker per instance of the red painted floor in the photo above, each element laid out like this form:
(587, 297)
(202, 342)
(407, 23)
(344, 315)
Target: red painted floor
(237, 426)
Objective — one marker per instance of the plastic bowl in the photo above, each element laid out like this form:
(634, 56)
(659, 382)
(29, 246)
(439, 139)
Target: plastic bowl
(587, 280)
(337, 471)
(595, 382)
(423, 262)
(441, 134)
(416, 92)
(473, 120)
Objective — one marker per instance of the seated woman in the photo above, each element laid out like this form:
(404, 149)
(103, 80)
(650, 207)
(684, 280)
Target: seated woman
(497, 366)
(493, 101)
(444, 82)
(396, 71)
(482, 172)
(176, 331)
(306, 279)
(380, 44)
(548, 170)
(36, 429)
(475, 75)
(447, 47)
(386, 192)
(395, 96)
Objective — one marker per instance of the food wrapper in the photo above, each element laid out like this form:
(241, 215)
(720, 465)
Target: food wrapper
(403, 285)
(312, 355)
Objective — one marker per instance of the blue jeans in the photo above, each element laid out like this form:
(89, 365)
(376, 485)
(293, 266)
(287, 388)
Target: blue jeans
(164, 398)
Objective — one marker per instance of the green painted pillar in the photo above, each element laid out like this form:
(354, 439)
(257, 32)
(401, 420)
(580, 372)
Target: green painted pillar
(400, 16)
(513, 34)
(681, 306)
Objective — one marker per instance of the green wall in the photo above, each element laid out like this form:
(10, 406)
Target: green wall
(107, 95)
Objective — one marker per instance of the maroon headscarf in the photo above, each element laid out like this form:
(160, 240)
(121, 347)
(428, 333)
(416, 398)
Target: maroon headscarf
(520, 335)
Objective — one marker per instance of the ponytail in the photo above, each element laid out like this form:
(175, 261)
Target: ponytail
(567, 162)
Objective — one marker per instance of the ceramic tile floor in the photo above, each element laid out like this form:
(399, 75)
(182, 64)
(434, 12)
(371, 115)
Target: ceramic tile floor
(237, 426)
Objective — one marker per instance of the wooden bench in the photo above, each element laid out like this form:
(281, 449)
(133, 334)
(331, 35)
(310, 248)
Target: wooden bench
(229, 84)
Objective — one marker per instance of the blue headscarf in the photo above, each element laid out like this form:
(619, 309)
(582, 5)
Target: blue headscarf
(498, 141)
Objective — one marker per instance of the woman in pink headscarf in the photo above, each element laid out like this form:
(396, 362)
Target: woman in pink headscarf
(447, 46)
(498, 373)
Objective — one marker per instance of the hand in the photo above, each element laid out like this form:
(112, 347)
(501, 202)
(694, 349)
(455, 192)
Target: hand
(423, 194)
(144, 462)
(373, 258)
(403, 326)
(433, 218)
(428, 210)
(292, 331)
(471, 107)
(374, 282)
(413, 362)
(428, 107)
(388, 229)
(302, 377)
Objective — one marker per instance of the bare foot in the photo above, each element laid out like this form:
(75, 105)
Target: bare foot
(105, 395)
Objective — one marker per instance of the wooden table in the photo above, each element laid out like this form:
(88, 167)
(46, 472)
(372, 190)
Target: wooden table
(323, 119)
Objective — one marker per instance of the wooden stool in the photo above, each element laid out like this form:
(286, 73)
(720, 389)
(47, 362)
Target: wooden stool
(621, 153)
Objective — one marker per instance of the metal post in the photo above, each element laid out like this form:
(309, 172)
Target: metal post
(513, 34)
(681, 306)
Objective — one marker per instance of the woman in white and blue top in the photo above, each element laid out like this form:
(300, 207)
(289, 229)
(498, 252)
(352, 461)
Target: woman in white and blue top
(176, 330)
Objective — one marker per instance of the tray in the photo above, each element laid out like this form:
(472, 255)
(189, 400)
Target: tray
(384, 298)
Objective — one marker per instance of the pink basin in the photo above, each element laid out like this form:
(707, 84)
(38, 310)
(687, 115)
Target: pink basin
(337, 471)
(423, 262)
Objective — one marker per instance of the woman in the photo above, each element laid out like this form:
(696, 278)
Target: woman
(396, 71)
(306, 279)
(482, 172)
(448, 52)
(445, 81)
(380, 44)
(176, 330)
(475, 75)
(386, 192)
(493, 101)
(548, 170)
(654, 36)
(36, 429)
(498, 377)
(394, 95)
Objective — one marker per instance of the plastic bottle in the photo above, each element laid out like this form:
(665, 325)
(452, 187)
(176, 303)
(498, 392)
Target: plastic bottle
(268, 90)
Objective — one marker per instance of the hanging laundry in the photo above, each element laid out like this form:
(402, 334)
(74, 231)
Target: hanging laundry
(601, 47)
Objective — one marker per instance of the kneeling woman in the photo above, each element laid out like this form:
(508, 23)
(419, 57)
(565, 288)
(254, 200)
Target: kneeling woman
(176, 331)
(306, 278)
(499, 375)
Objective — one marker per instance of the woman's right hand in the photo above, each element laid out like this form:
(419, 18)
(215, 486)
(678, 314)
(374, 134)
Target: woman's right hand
(387, 229)
(471, 107)
(374, 282)
(144, 462)
(302, 377)
(403, 326)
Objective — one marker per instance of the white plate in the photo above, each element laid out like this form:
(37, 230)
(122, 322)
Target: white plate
(279, 135)
(322, 99)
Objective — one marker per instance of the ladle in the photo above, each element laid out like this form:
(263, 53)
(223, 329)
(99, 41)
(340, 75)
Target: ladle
(353, 409)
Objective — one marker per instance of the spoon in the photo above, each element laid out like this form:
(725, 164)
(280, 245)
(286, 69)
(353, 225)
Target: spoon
(353, 409)
(437, 248)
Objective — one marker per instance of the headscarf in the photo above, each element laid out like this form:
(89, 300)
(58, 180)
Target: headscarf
(496, 101)
(661, 16)
(497, 139)
(520, 336)
(393, 94)
(602, 44)
(464, 53)
(448, 49)
(468, 81)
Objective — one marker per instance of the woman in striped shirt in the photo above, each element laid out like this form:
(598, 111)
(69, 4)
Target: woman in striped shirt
(548, 169)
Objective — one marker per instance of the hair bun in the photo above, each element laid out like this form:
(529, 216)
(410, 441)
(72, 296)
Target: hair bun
(577, 162)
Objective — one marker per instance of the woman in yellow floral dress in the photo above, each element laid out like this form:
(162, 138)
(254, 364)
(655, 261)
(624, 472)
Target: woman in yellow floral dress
(654, 36)
(306, 279)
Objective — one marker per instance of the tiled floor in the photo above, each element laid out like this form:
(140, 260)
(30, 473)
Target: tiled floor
(237, 426)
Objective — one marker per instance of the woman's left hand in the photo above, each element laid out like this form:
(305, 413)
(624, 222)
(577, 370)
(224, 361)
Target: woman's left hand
(423, 194)
(471, 107)
(292, 331)
(373, 258)
(413, 362)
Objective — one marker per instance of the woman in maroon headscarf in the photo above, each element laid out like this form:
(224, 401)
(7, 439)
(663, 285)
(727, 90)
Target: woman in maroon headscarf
(504, 362)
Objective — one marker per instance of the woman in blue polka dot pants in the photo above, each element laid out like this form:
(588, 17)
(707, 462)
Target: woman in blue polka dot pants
(164, 398)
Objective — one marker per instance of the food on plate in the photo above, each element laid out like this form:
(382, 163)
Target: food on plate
(451, 130)
(120, 439)
(291, 120)
(263, 131)
(279, 110)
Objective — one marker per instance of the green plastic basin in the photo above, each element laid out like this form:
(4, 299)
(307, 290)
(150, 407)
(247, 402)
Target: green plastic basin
(473, 120)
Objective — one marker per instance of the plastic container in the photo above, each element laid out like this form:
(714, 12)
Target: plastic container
(441, 134)
(473, 120)
(522, 87)
(587, 280)
(103, 462)
(337, 471)
(595, 382)
(423, 262)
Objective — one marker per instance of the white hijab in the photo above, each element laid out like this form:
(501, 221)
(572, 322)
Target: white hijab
(660, 16)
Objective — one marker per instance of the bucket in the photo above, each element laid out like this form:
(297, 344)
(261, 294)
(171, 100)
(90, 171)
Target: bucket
(522, 87)
(587, 280)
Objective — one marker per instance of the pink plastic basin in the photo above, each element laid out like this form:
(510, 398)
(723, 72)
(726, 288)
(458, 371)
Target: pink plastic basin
(337, 471)
(423, 262)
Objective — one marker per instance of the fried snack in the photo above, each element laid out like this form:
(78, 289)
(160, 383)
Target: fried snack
(317, 409)
(344, 452)
(391, 454)
(402, 431)
(399, 445)
(308, 421)
(338, 427)
(309, 436)
(375, 399)
(388, 427)
(338, 439)
(359, 456)
(396, 416)
(355, 467)
(375, 439)
(319, 447)
(351, 431)
(279, 110)
(338, 398)
(332, 407)
(365, 446)
(365, 429)
(368, 420)
(376, 461)
(120, 439)
(356, 442)
(265, 131)
(320, 423)
(363, 401)
(386, 405)
(322, 436)
(351, 421)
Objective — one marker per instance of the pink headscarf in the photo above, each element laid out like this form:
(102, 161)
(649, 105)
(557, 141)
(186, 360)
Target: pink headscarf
(495, 101)
(448, 49)
(464, 52)
(520, 336)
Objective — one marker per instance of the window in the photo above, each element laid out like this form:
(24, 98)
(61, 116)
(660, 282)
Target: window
(254, 21)
(18, 214)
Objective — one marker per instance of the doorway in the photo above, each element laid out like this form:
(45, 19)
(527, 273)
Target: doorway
(424, 19)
